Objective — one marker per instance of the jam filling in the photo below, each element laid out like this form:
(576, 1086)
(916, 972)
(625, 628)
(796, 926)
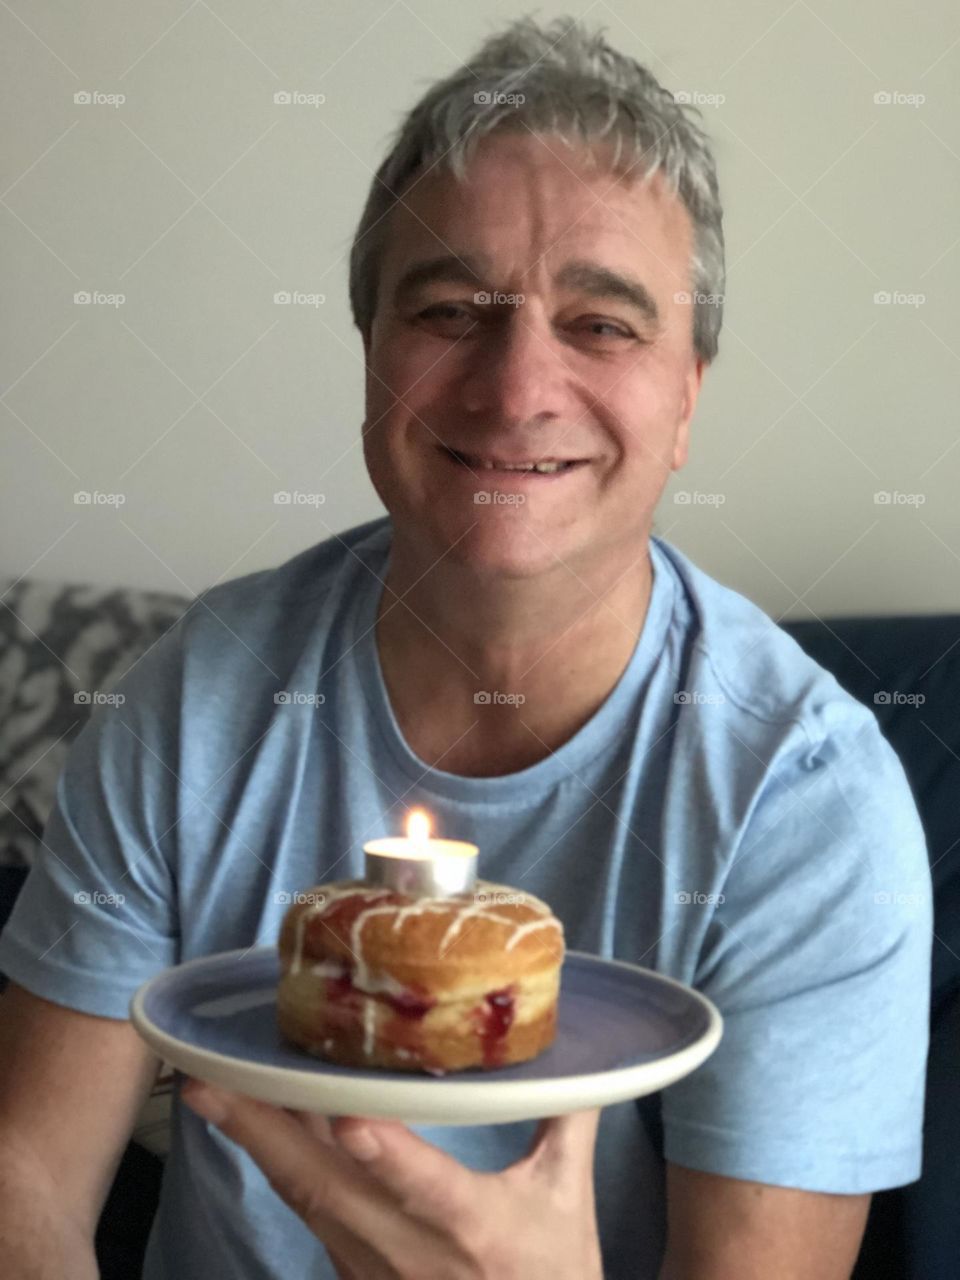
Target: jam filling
(409, 1004)
(495, 1021)
(492, 1019)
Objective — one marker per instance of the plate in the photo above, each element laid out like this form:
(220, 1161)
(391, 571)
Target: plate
(622, 1032)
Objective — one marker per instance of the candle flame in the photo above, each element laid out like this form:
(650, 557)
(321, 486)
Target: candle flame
(418, 826)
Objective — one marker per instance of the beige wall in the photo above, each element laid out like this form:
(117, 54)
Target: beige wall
(198, 198)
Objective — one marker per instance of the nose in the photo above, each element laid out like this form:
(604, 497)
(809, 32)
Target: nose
(517, 373)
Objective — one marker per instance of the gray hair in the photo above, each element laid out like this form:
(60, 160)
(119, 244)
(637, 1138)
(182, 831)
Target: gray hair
(558, 79)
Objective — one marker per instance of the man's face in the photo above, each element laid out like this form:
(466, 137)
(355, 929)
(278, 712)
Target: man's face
(595, 367)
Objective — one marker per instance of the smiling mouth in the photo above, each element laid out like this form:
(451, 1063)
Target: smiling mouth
(542, 467)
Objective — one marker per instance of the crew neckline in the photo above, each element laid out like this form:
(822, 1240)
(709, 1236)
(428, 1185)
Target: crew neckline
(597, 736)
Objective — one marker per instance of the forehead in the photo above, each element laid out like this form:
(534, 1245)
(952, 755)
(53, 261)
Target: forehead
(528, 203)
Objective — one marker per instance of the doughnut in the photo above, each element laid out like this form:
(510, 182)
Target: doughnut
(373, 977)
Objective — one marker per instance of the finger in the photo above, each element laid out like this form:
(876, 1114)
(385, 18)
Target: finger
(344, 1271)
(355, 1261)
(316, 1125)
(426, 1183)
(353, 1258)
(563, 1147)
(334, 1194)
(311, 1176)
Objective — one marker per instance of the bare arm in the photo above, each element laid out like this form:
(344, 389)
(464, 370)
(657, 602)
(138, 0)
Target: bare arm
(730, 1229)
(71, 1087)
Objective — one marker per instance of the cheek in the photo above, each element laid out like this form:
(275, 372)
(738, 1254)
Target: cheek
(639, 430)
(647, 412)
(644, 445)
(404, 365)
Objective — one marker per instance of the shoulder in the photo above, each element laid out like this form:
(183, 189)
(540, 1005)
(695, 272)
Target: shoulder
(296, 588)
(252, 628)
(739, 661)
(785, 764)
(764, 735)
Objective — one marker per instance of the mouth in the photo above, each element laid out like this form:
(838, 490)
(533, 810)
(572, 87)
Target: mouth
(501, 466)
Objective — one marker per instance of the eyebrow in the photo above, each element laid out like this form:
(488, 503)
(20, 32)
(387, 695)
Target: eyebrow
(589, 278)
(600, 282)
(449, 268)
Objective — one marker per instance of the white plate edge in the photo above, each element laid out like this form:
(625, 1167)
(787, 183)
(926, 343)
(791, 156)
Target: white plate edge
(415, 1100)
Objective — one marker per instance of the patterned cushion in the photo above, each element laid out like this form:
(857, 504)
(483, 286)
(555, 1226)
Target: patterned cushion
(60, 646)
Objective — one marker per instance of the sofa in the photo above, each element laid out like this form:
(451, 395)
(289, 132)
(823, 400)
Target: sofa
(60, 644)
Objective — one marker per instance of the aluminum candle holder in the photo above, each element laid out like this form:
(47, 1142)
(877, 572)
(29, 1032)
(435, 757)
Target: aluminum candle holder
(421, 868)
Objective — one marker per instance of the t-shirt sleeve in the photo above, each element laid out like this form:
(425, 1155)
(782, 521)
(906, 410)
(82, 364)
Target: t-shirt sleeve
(97, 914)
(818, 958)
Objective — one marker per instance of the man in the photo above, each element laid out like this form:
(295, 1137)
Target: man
(684, 787)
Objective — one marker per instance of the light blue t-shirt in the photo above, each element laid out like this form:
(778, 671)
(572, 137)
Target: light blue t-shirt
(729, 816)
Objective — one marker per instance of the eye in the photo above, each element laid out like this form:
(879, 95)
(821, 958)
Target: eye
(447, 320)
(615, 330)
(433, 313)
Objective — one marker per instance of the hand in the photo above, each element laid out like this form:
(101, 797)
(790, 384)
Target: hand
(409, 1211)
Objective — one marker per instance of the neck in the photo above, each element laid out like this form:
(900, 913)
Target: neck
(543, 656)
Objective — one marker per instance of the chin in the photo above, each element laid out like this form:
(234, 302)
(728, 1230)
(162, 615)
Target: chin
(498, 549)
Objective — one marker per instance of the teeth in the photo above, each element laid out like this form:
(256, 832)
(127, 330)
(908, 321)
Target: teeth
(542, 468)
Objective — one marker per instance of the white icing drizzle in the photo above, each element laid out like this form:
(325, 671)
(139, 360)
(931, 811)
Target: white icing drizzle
(467, 909)
(525, 929)
(331, 894)
(369, 1023)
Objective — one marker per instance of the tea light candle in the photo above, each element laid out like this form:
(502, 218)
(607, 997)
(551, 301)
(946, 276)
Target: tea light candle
(421, 866)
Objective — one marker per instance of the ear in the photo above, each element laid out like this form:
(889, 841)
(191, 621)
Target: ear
(691, 391)
(367, 382)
